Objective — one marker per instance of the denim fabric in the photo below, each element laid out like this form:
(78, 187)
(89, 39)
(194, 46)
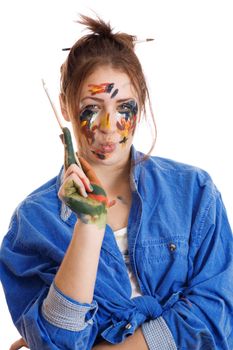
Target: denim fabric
(180, 246)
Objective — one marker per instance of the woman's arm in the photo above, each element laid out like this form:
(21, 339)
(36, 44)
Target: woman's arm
(134, 342)
(49, 317)
(20, 343)
(82, 256)
(80, 263)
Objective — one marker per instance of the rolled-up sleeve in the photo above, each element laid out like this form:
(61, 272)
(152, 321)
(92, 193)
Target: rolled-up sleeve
(61, 311)
(158, 335)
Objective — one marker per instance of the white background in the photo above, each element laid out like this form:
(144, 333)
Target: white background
(189, 71)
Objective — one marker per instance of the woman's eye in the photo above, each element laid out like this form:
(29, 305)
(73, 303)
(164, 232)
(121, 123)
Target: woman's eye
(128, 107)
(124, 108)
(93, 108)
(88, 112)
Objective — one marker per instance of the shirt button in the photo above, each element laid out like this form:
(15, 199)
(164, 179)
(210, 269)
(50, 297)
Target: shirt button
(128, 326)
(172, 247)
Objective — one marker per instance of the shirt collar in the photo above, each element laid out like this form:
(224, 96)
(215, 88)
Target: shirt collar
(136, 162)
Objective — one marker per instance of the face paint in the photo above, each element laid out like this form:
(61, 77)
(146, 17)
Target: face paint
(105, 122)
(90, 113)
(109, 121)
(127, 116)
(87, 119)
(115, 92)
(98, 89)
(99, 155)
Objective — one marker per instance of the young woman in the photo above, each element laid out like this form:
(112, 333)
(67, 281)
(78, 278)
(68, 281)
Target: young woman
(126, 251)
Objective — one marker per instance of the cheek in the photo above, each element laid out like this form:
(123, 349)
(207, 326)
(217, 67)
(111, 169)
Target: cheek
(88, 125)
(126, 124)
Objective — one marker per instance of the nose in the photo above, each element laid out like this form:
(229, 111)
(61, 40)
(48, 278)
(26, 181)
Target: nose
(107, 123)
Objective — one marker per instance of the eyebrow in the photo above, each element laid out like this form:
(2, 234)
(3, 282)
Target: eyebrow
(97, 99)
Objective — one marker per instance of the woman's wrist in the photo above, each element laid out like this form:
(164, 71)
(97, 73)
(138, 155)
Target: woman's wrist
(93, 223)
(89, 233)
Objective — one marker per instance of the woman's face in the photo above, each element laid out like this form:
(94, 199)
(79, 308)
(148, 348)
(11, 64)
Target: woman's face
(108, 116)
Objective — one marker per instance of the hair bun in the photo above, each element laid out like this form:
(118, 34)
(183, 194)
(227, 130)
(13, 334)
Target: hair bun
(96, 26)
(101, 28)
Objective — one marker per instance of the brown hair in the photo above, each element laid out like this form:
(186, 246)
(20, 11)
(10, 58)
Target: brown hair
(100, 48)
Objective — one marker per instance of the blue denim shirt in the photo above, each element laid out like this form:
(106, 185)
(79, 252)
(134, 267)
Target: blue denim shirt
(180, 247)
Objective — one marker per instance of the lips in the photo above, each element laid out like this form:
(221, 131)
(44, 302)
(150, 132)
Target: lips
(107, 148)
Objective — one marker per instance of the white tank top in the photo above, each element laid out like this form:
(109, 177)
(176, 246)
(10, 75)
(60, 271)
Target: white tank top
(122, 242)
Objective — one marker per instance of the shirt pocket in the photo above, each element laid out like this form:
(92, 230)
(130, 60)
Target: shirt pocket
(163, 263)
(165, 249)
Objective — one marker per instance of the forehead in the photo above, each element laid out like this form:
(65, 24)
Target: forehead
(108, 75)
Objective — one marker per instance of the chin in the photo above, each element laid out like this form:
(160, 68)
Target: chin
(110, 158)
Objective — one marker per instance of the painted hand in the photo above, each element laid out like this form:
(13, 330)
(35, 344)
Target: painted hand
(83, 193)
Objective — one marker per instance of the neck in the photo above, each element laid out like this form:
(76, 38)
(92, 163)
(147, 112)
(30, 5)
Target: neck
(113, 175)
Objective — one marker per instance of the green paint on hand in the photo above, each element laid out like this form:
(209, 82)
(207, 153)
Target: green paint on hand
(90, 209)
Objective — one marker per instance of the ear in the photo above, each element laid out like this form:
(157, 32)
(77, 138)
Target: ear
(63, 108)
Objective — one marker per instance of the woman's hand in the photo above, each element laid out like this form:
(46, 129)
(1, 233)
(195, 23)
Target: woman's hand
(83, 193)
(19, 344)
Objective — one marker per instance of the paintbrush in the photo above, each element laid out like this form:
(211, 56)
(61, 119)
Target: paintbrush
(70, 157)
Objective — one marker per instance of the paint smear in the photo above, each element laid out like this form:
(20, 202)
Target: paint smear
(87, 119)
(126, 123)
(105, 121)
(100, 88)
(115, 92)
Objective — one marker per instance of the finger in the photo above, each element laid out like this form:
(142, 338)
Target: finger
(71, 187)
(18, 344)
(72, 184)
(88, 170)
(73, 168)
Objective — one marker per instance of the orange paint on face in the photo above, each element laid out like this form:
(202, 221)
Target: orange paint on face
(97, 89)
(105, 121)
(83, 123)
(125, 127)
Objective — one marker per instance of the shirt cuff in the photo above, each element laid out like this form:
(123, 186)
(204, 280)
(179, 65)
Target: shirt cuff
(158, 335)
(64, 312)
